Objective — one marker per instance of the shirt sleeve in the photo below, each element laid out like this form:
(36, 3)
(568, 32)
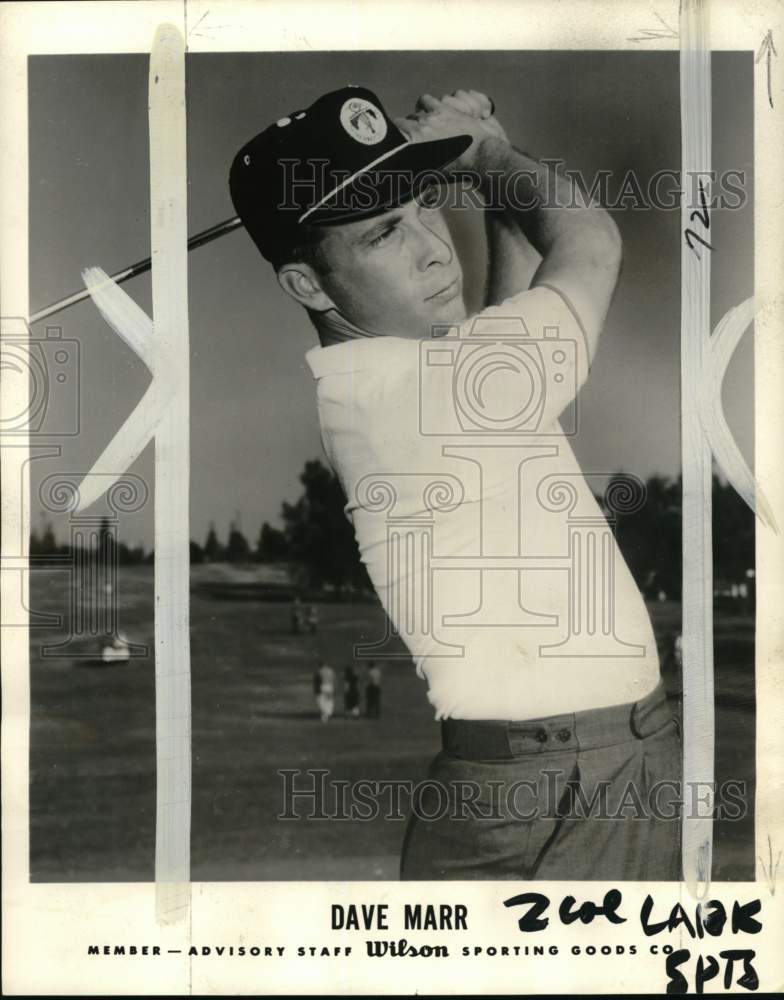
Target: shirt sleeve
(536, 341)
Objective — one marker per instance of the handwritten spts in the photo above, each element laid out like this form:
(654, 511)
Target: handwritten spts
(710, 919)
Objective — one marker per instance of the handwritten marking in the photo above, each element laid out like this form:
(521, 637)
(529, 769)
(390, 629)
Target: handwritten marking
(191, 30)
(702, 216)
(652, 34)
(771, 868)
(767, 50)
(208, 27)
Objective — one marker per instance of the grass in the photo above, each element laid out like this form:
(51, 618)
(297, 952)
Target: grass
(92, 756)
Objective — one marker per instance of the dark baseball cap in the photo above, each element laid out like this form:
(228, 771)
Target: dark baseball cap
(339, 160)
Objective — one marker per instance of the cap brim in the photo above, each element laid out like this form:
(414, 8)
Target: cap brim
(391, 182)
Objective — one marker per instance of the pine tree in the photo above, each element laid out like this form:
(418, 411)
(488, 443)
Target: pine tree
(213, 550)
(238, 549)
(271, 546)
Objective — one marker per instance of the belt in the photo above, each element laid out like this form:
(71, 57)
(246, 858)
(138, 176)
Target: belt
(589, 729)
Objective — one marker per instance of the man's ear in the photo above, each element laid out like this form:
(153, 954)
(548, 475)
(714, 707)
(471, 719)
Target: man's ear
(301, 282)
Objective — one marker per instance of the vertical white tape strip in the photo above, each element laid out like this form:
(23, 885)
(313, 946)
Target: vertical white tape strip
(768, 438)
(698, 715)
(169, 238)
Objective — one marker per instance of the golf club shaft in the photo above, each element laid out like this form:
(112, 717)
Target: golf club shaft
(207, 236)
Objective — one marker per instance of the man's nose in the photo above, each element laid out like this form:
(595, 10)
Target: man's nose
(434, 246)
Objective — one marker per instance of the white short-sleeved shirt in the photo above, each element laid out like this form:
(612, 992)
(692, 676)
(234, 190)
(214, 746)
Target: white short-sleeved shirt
(481, 535)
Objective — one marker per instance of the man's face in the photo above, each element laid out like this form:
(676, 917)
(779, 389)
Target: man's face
(396, 274)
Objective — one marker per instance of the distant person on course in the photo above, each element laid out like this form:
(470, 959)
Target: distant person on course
(351, 691)
(373, 691)
(324, 689)
(296, 616)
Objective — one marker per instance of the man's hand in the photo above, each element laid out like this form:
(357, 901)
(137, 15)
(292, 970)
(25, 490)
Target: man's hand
(465, 112)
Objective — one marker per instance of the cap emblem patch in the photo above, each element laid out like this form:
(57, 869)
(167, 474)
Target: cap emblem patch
(363, 121)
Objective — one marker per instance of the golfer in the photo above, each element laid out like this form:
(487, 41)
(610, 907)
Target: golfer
(546, 743)
(324, 690)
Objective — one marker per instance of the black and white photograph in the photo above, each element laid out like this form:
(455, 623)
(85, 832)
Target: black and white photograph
(322, 574)
(390, 497)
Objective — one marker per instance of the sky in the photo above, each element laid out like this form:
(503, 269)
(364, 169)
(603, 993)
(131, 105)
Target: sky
(253, 410)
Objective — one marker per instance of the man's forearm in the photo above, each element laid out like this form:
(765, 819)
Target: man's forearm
(512, 260)
(530, 205)
(543, 203)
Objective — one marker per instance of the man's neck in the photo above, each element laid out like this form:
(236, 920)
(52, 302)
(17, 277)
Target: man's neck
(333, 328)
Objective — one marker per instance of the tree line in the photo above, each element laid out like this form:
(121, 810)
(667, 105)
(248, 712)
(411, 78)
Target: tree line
(316, 541)
(651, 539)
(46, 550)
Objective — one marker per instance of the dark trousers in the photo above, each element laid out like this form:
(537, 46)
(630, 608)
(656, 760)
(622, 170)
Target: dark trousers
(373, 701)
(582, 796)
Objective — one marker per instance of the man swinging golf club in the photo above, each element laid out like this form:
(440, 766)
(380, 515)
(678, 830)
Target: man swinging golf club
(546, 681)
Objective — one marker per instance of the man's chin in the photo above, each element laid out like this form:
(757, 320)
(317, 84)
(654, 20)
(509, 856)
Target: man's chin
(451, 312)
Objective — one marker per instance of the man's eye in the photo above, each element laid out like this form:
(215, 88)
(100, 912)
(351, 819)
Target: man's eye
(382, 236)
